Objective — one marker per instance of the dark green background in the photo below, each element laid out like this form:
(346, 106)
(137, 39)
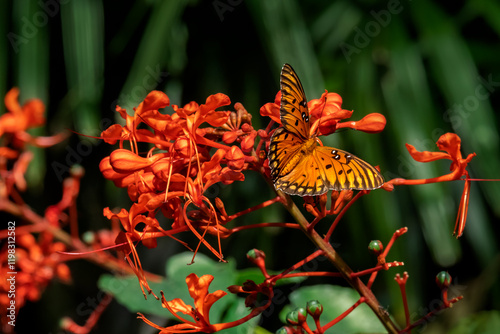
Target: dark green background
(421, 64)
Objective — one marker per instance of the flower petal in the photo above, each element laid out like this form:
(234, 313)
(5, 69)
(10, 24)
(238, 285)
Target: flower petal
(198, 289)
(450, 142)
(462, 210)
(271, 110)
(371, 123)
(177, 305)
(210, 299)
(213, 102)
(112, 134)
(153, 101)
(217, 118)
(426, 156)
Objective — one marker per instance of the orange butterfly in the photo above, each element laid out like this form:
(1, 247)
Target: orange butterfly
(299, 164)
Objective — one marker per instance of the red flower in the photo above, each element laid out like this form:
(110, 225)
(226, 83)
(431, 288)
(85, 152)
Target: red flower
(203, 301)
(450, 144)
(19, 118)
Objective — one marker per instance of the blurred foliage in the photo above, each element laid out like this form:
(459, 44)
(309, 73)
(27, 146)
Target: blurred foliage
(429, 68)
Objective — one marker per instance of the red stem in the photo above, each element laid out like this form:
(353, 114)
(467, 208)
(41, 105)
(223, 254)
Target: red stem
(343, 315)
(299, 264)
(341, 214)
(256, 207)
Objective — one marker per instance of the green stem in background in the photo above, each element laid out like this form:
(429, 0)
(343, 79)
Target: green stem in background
(339, 263)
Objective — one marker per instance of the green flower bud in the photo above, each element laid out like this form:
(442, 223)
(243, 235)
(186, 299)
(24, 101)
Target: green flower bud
(284, 330)
(314, 308)
(376, 247)
(254, 254)
(301, 314)
(443, 279)
(292, 317)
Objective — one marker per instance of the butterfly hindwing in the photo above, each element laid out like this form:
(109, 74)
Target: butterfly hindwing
(283, 152)
(323, 169)
(306, 179)
(293, 112)
(342, 170)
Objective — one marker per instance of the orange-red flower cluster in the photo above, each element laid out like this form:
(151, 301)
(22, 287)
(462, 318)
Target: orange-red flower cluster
(192, 148)
(33, 260)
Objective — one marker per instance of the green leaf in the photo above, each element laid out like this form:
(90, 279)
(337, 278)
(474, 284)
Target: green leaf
(229, 308)
(335, 301)
(127, 292)
(235, 311)
(483, 322)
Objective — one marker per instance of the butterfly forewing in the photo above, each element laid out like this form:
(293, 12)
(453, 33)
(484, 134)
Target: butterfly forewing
(294, 112)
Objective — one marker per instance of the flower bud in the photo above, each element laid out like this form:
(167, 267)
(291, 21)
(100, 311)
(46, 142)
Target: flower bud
(229, 137)
(125, 161)
(182, 147)
(235, 158)
(77, 171)
(371, 123)
(292, 317)
(297, 316)
(246, 127)
(284, 330)
(248, 141)
(443, 279)
(314, 308)
(376, 247)
(301, 314)
(255, 254)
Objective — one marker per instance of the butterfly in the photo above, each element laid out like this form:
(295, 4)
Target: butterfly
(299, 164)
